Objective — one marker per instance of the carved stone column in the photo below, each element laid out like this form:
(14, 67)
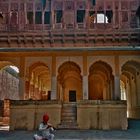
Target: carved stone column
(53, 80)
(138, 89)
(117, 79)
(22, 78)
(85, 78)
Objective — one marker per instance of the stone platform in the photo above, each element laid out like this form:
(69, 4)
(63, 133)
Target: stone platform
(130, 134)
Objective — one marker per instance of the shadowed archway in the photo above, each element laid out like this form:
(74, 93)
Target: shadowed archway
(38, 85)
(69, 81)
(100, 81)
(131, 80)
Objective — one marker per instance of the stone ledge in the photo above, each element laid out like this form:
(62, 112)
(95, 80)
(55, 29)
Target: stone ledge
(100, 102)
(33, 102)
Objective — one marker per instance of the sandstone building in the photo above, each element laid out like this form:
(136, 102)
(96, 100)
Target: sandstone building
(77, 59)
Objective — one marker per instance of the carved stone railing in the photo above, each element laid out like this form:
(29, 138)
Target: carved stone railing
(108, 37)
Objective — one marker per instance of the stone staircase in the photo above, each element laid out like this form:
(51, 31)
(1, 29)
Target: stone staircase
(68, 116)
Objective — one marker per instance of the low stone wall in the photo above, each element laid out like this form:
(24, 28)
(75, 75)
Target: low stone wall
(27, 115)
(134, 112)
(102, 115)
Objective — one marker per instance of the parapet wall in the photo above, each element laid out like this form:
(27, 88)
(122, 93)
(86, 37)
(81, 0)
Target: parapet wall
(102, 115)
(27, 115)
(106, 115)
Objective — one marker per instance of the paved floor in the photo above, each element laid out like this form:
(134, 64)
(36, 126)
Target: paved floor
(130, 134)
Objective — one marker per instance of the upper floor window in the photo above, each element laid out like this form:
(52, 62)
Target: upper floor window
(38, 17)
(109, 15)
(80, 16)
(47, 17)
(58, 14)
(30, 17)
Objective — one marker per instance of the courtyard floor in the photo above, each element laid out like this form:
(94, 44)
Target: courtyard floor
(130, 134)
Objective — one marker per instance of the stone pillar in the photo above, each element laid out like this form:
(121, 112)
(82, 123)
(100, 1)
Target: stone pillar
(129, 17)
(53, 80)
(85, 79)
(43, 13)
(114, 14)
(75, 15)
(138, 88)
(25, 12)
(19, 16)
(120, 15)
(53, 88)
(52, 15)
(22, 78)
(27, 84)
(129, 102)
(34, 14)
(133, 91)
(85, 87)
(9, 12)
(86, 21)
(117, 79)
(117, 87)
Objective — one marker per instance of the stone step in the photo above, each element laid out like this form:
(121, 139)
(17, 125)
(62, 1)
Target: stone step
(69, 108)
(68, 113)
(69, 104)
(68, 117)
(68, 125)
(68, 121)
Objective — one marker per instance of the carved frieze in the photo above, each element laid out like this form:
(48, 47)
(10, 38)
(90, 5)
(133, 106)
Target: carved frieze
(14, 6)
(108, 5)
(22, 7)
(124, 5)
(100, 6)
(69, 5)
(4, 7)
(38, 7)
(133, 5)
(29, 6)
(58, 5)
(124, 16)
(81, 5)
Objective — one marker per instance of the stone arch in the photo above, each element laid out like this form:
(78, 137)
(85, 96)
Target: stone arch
(100, 81)
(130, 76)
(38, 85)
(69, 81)
(7, 63)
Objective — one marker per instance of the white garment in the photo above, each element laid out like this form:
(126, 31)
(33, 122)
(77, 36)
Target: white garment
(46, 131)
(37, 137)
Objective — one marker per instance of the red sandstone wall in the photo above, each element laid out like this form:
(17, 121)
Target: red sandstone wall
(9, 86)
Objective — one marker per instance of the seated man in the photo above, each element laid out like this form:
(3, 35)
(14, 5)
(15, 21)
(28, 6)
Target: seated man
(46, 130)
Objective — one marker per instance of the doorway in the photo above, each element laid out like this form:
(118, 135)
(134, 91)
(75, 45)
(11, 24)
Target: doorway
(72, 96)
